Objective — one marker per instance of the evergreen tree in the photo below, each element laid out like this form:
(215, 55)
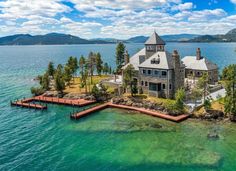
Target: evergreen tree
(106, 68)
(45, 81)
(179, 97)
(51, 69)
(229, 78)
(67, 74)
(72, 63)
(129, 73)
(59, 79)
(110, 70)
(91, 65)
(99, 63)
(203, 84)
(120, 50)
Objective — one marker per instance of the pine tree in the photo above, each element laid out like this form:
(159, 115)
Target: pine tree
(120, 50)
(229, 78)
(51, 69)
(99, 63)
(129, 73)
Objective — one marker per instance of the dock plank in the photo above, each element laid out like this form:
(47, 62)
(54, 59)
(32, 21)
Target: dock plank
(142, 110)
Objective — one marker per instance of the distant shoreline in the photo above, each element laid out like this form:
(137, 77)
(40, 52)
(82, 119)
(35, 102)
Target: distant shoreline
(186, 42)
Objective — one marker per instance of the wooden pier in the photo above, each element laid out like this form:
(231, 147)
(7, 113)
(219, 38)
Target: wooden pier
(27, 102)
(142, 110)
(61, 101)
(28, 105)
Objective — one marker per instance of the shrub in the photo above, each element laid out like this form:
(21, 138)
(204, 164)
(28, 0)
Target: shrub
(36, 91)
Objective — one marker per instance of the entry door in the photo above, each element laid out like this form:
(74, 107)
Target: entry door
(159, 87)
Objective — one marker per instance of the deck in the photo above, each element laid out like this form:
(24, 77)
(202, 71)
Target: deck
(28, 105)
(61, 101)
(142, 110)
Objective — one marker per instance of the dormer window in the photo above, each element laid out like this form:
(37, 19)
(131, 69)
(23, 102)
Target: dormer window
(150, 48)
(155, 60)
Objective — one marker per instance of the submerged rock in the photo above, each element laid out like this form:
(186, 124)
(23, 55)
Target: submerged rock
(213, 136)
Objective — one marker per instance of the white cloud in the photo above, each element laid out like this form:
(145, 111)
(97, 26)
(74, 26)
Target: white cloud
(111, 18)
(183, 7)
(233, 1)
(14, 9)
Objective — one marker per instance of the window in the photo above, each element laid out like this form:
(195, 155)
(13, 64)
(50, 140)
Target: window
(144, 71)
(150, 48)
(146, 83)
(164, 73)
(170, 87)
(163, 86)
(142, 83)
(152, 86)
(149, 72)
(156, 72)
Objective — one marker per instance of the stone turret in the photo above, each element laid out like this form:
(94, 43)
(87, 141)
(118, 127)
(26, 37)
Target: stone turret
(126, 57)
(198, 55)
(153, 45)
(178, 74)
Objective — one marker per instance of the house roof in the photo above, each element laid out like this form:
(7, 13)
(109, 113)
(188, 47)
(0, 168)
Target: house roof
(154, 39)
(134, 60)
(203, 64)
(165, 61)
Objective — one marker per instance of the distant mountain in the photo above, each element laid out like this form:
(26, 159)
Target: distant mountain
(228, 37)
(137, 39)
(167, 38)
(62, 39)
(179, 37)
(108, 40)
(48, 39)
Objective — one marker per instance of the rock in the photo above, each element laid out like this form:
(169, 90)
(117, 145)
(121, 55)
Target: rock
(213, 115)
(233, 118)
(129, 103)
(213, 136)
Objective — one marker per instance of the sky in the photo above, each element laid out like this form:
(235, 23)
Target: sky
(116, 18)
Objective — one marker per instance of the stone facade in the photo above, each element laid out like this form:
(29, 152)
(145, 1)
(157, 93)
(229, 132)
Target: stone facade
(158, 72)
(197, 65)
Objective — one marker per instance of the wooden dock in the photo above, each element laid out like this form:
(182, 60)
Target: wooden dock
(142, 110)
(61, 101)
(28, 105)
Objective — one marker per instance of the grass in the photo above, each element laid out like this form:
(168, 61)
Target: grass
(75, 84)
(215, 105)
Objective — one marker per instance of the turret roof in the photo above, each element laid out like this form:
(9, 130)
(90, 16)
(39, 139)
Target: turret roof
(154, 39)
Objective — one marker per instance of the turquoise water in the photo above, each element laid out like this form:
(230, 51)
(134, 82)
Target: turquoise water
(107, 140)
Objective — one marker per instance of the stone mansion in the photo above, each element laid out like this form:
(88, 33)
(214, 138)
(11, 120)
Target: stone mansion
(160, 73)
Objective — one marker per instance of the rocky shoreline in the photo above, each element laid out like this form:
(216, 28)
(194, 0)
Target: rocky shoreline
(143, 104)
(209, 115)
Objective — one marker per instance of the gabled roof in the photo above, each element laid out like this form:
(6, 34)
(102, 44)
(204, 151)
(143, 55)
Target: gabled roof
(154, 39)
(166, 61)
(134, 60)
(203, 64)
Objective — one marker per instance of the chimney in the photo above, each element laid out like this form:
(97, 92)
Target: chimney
(176, 59)
(126, 56)
(198, 56)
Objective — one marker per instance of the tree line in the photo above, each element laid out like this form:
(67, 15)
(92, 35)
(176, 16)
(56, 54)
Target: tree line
(61, 76)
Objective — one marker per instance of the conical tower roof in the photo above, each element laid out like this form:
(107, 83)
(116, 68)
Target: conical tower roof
(154, 39)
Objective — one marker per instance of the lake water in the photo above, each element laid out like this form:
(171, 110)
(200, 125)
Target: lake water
(110, 139)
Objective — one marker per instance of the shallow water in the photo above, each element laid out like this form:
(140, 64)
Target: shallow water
(111, 139)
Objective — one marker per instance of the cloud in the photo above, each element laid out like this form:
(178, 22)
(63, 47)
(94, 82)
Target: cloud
(233, 1)
(183, 7)
(14, 9)
(111, 18)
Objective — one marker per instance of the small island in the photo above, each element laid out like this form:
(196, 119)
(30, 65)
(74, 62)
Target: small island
(152, 81)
